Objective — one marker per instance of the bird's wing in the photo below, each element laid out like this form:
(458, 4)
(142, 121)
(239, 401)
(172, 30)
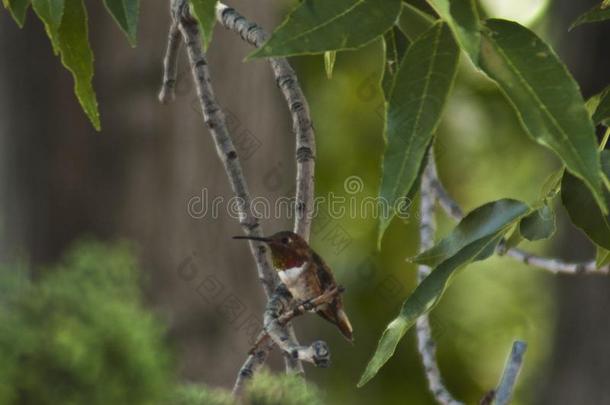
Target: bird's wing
(333, 311)
(323, 273)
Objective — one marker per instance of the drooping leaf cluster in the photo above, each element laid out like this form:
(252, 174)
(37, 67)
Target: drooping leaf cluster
(66, 24)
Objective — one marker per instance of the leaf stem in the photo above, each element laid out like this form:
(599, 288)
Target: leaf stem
(602, 145)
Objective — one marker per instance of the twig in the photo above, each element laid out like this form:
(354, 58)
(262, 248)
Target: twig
(254, 361)
(277, 314)
(553, 265)
(504, 392)
(300, 309)
(302, 124)
(425, 342)
(170, 65)
(214, 119)
(317, 353)
(287, 81)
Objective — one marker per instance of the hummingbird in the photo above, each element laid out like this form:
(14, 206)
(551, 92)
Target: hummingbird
(305, 275)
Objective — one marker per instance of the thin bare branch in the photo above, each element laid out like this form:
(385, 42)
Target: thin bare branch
(504, 392)
(170, 65)
(278, 313)
(425, 342)
(214, 119)
(285, 316)
(252, 364)
(553, 265)
(288, 83)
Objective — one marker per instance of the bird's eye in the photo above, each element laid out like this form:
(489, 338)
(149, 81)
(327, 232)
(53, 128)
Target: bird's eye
(285, 241)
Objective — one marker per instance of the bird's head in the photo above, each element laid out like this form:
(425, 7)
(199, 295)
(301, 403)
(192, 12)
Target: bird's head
(288, 249)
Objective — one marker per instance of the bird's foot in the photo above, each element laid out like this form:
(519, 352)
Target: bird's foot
(304, 305)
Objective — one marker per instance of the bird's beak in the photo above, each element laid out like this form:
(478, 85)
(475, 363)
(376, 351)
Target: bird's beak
(267, 240)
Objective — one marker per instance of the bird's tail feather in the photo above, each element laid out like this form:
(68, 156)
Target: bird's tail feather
(344, 325)
(339, 318)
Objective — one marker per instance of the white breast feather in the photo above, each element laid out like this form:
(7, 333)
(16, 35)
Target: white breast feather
(290, 276)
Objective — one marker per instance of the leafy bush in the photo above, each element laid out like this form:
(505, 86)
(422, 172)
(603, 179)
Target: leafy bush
(264, 389)
(200, 395)
(79, 334)
(281, 389)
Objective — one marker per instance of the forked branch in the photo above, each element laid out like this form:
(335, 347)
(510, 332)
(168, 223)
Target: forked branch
(214, 119)
(183, 23)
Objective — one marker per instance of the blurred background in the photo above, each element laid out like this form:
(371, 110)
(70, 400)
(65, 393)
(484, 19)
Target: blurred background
(74, 198)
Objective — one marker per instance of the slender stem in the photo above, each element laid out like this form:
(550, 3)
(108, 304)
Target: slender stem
(602, 145)
(425, 342)
(214, 119)
(288, 83)
(452, 208)
(254, 361)
(504, 392)
(317, 353)
(283, 317)
(302, 124)
(170, 65)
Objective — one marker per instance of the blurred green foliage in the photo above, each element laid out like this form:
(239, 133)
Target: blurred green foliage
(281, 389)
(80, 334)
(264, 389)
(192, 394)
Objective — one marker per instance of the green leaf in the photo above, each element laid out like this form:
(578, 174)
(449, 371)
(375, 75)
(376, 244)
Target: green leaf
(582, 207)
(76, 55)
(50, 13)
(205, 11)
(315, 26)
(512, 241)
(551, 186)
(395, 45)
(413, 22)
(546, 97)
(18, 10)
(329, 63)
(66, 24)
(491, 219)
(538, 225)
(473, 238)
(600, 107)
(463, 18)
(125, 13)
(421, 87)
(601, 12)
(420, 302)
(602, 257)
